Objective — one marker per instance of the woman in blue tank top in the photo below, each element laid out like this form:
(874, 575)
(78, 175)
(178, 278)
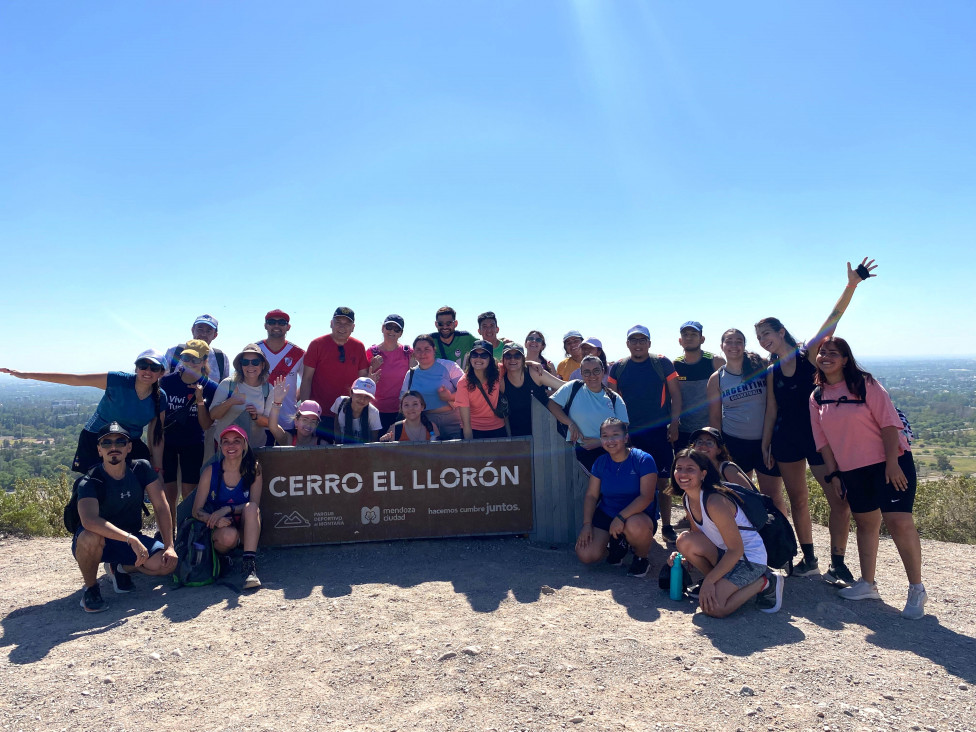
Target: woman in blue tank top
(787, 439)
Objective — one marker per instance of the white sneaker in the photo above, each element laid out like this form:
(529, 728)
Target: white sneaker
(860, 590)
(915, 607)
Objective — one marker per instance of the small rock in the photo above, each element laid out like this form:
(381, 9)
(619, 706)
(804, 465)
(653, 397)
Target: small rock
(961, 687)
(446, 656)
(746, 691)
(750, 712)
(576, 720)
(547, 590)
(282, 607)
(178, 653)
(471, 651)
(108, 680)
(930, 728)
(889, 697)
(86, 693)
(71, 664)
(155, 656)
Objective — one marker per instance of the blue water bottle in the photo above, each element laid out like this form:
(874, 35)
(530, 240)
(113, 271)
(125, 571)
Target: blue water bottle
(677, 586)
(198, 554)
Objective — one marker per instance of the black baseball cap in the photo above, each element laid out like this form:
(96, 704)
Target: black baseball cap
(114, 428)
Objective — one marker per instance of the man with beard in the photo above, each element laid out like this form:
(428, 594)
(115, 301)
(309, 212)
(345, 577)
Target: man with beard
(451, 344)
(110, 500)
(693, 366)
(284, 359)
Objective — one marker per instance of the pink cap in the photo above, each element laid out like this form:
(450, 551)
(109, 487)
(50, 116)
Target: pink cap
(310, 407)
(236, 429)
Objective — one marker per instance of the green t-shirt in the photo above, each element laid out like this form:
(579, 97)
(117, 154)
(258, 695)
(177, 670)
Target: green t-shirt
(458, 349)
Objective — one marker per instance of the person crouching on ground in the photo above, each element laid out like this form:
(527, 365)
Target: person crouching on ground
(620, 505)
(110, 499)
(228, 501)
(721, 543)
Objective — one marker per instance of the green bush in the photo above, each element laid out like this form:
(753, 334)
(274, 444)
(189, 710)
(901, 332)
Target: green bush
(945, 509)
(35, 507)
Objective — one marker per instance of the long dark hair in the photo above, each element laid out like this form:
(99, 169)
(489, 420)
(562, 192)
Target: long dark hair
(157, 435)
(348, 435)
(491, 374)
(752, 363)
(854, 376)
(250, 467)
(776, 325)
(711, 479)
(424, 419)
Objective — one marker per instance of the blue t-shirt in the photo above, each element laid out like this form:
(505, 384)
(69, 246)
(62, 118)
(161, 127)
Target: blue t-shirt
(182, 423)
(620, 482)
(121, 404)
(428, 381)
(589, 409)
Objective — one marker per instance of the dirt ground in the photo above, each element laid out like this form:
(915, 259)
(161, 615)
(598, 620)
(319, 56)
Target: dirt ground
(477, 634)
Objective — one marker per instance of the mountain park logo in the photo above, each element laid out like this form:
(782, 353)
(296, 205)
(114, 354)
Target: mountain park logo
(293, 520)
(371, 515)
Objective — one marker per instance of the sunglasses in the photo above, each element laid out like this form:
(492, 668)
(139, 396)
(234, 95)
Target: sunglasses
(109, 442)
(191, 359)
(534, 339)
(251, 361)
(443, 323)
(393, 327)
(149, 366)
(342, 354)
(479, 354)
(276, 321)
(512, 356)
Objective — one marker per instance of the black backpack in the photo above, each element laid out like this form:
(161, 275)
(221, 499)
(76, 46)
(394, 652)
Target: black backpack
(72, 521)
(906, 425)
(577, 385)
(195, 565)
(773, 527)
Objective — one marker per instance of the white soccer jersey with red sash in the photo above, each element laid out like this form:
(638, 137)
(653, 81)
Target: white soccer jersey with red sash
(288, 362)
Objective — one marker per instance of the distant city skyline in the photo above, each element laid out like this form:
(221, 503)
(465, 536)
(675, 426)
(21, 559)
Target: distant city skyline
(567, 164)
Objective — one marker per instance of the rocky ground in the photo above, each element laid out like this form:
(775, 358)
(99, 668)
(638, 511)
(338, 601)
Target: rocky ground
(477, 634)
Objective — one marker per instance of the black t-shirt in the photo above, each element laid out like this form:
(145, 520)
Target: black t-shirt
(520, 404)
(646, 395)
(119, 501)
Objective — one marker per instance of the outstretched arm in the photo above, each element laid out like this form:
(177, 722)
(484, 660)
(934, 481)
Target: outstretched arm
(97, 380)
(855, 275)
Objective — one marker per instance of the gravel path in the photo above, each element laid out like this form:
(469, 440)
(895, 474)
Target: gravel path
(486, 634)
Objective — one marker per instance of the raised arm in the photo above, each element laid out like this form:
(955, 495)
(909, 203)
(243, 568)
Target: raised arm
(99, 381)
(855, 275)
(541, 377)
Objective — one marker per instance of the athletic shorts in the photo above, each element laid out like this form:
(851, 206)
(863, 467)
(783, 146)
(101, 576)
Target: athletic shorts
(791, 445)
(187, 460)
(119, 552)
(743, 573)
(867, 490)
(602, 520)
(747, 454)
(488, 434)
(655, 443)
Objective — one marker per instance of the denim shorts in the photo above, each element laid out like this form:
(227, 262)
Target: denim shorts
(743, 573)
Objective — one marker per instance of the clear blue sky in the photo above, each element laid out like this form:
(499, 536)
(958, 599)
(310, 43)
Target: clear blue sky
(588, 164)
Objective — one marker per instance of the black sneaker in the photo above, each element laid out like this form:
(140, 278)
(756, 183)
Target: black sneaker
(806, 568)
(694, 591)
(91, 600)
(249, 573)
(668, 533)
(839, 575)
(226, 565)
(121, 581)
(638, 567)
(770, 598)
(618, 550)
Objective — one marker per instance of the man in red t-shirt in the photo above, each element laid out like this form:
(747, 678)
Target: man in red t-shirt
(332, 363)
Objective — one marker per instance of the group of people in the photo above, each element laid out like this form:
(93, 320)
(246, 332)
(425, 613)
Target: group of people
(697, 421)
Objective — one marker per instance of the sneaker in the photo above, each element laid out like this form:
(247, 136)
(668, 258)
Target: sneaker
(770, 598)
(839, 575)
(250, 575)
(638, 567)
(915, 607)
(121, 581)
(669, 534)
(694, 591)
(806, 568)
(226, 565)
(618, 550)
(860, 590)
(91, 600)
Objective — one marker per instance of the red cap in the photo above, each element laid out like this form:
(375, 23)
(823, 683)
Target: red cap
(276, 313)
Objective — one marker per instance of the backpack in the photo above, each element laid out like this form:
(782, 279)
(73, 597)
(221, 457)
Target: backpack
(72, 521)
(197, 562)
(577, 385)
(906, 428)
(769, 522)
(658, 369)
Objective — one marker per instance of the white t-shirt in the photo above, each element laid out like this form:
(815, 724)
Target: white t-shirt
(289, 362)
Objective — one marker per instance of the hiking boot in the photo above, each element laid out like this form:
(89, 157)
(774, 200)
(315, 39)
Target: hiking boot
(121, 581)
(915, 607)
(226, 565)
(638, 567)
(860, 590)
(91, 600)
(618, 550)
(839, 575)
(806, 568)
(770, 598)
(250, 575)
(668, 533)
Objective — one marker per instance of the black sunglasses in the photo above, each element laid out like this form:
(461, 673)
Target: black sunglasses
(109, 442)
(393, 326)
(512, 355)
(149, 366)
(251, 361)
(342, 354)
(276, 321)
(480, 354)
(186, 358)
